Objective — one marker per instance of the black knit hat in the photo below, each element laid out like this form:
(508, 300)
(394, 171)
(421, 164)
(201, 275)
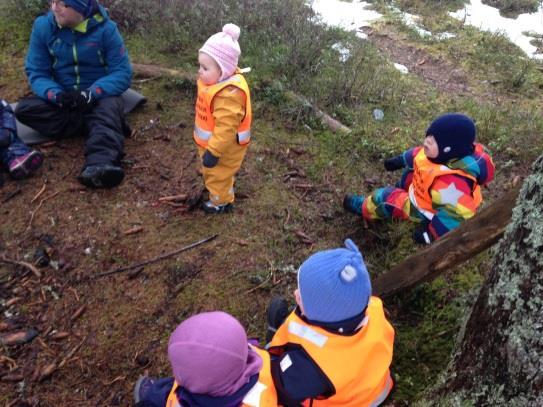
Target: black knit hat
(454, 134)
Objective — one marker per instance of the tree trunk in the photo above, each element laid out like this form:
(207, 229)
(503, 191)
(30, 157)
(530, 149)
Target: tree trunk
(499, 358)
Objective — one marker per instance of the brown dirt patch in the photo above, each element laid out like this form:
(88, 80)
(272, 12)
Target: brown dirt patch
(440, 73)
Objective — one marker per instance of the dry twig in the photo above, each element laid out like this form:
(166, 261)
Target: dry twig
(40, 192)
(31, 267)
(180, 197)
(38, 207)
(133, 231)
(154, 259)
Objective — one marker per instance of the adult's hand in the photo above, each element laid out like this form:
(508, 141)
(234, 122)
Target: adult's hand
(83, 100)
(66, 100)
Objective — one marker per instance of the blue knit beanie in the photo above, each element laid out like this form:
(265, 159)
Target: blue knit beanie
(454, 134)
(84, 7)
(334, 284)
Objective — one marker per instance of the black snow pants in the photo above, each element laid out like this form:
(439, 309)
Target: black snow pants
(103, 127)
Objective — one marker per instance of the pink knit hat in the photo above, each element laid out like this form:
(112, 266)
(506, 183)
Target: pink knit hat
(223, 47)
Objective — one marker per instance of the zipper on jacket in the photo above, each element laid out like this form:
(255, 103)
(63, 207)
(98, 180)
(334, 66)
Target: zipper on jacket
(76, 67)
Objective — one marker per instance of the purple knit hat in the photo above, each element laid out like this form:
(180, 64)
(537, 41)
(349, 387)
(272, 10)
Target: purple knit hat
(223, 47)
(210, 355)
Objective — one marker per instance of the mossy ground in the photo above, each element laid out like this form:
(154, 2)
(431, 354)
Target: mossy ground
(127, 321)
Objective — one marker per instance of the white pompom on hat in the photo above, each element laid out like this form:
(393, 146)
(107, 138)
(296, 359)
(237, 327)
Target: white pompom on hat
(224, 48)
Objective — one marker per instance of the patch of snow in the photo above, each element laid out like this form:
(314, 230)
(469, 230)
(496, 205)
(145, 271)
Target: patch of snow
(411, 21)
(350, 16)
(344, 53)
(488, 18)
(402, 68)
(445, 36)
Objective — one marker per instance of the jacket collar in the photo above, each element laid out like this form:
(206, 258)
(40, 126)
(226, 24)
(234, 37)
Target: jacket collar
(201, 400)
(346, 327)
(91, 22)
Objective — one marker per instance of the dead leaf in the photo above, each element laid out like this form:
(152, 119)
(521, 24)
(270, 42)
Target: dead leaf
(78, 313)
(303, 237)
(60, 335)
(12, 377)
(133, 231)
(47, 371)
(18, 338)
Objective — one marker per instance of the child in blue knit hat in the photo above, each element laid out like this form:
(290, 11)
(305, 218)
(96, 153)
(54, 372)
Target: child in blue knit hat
(335, 348)
(441, 183)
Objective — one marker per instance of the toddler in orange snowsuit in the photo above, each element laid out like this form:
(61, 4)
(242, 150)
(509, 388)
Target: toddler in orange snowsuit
(223, 117)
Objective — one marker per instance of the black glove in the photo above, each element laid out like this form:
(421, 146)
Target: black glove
(83, 100)
(76, 100)
(394, 163)
(66, 100)
(209, 160)
(421, 236)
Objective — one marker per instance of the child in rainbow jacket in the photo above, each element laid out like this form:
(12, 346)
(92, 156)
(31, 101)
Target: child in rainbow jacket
(20, 160)
(213, 366)
(222, 129)
(441, 183)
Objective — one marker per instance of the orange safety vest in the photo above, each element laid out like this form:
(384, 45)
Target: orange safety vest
(204, 121)
(262, 394)
(424, 174)
(357, 365)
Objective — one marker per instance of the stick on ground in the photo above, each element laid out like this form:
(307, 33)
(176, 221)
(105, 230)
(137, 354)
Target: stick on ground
(154, 259)
(31, 267)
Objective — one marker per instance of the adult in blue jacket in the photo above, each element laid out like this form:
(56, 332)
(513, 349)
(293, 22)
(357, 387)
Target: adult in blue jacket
(78, 67)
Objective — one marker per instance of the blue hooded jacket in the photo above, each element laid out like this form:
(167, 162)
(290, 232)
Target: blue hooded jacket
(92, 56)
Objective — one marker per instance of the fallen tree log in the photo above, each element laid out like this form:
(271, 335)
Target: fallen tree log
(153, 71)
(325, 118)
(458, 246)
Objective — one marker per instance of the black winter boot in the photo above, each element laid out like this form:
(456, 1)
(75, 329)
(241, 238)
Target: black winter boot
(276, 314)
(101, 176)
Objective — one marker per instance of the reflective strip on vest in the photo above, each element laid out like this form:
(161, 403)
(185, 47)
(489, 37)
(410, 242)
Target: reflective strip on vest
(253, 397)
(244, 137)
(381, 397)
(427, 214)
(357, 365)
(307, 333)
(204, 122)
(202, 134)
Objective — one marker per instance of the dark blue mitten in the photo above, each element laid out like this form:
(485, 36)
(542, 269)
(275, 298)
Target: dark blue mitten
(394, 163)
(209, 160)
(422, 236)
